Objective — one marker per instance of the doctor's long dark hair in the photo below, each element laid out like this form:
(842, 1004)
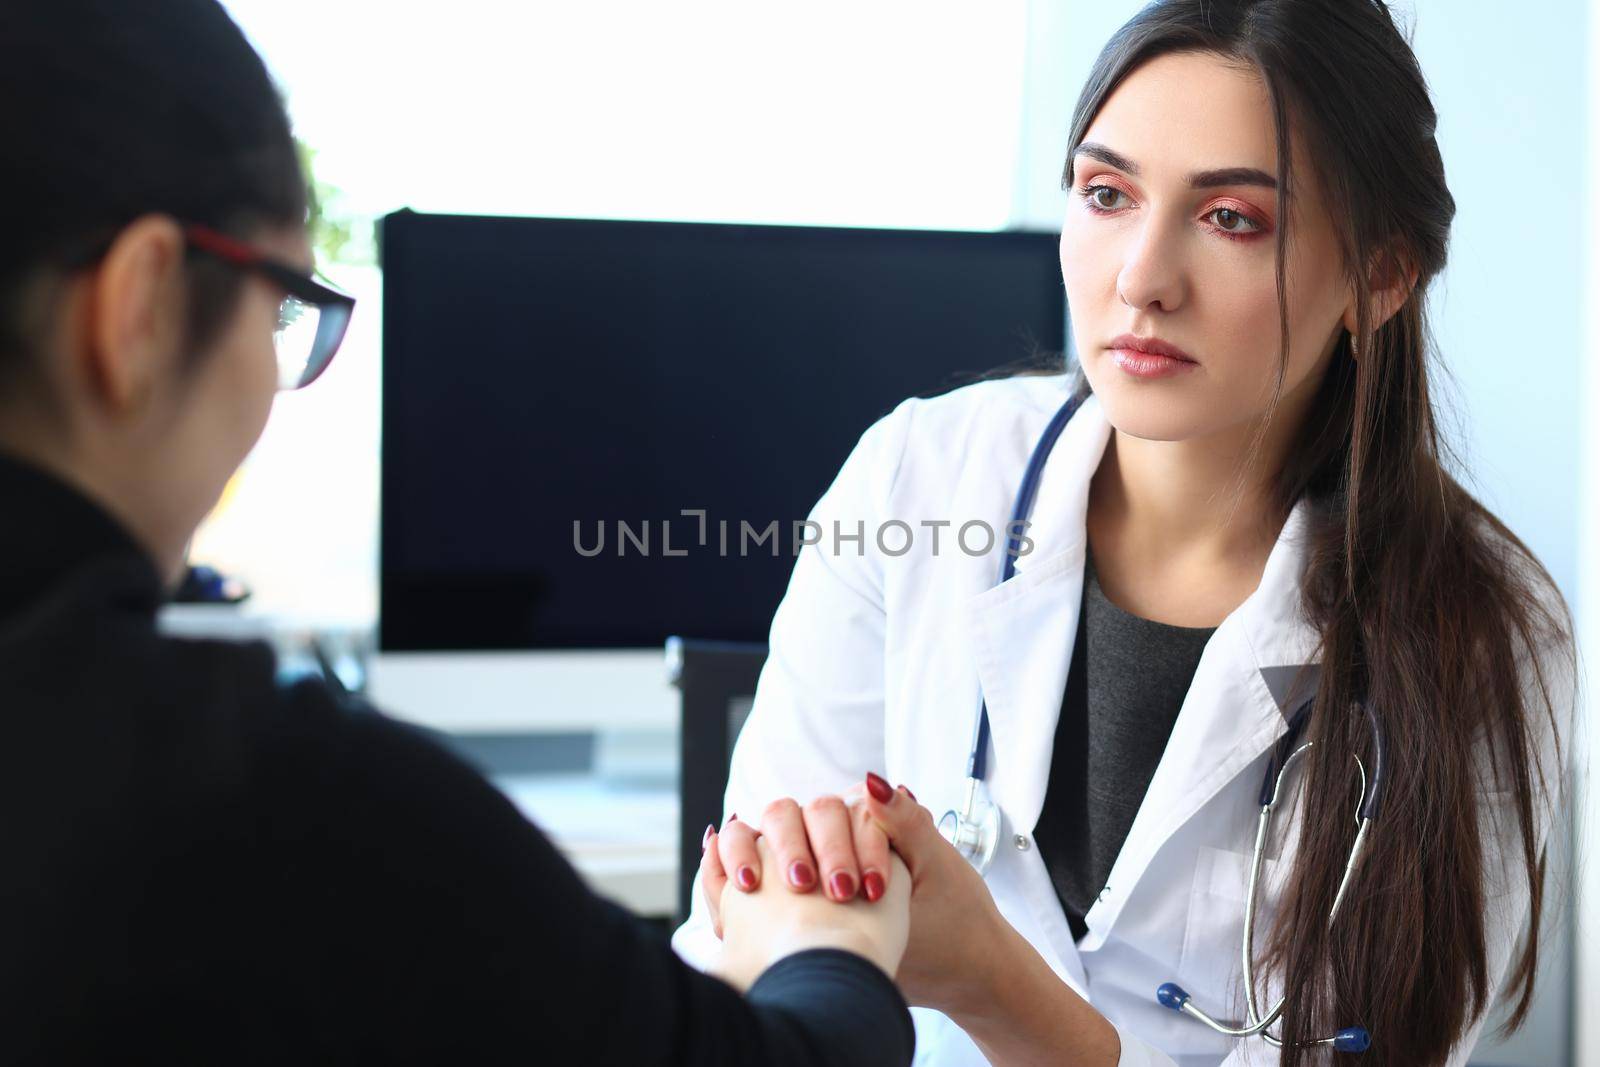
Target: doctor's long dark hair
(1425, 603)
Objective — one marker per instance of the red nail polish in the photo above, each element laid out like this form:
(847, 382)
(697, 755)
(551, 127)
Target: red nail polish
(843, 885)
(705, 839)
(880, 790)
(909, 793)
(872, 885)
(801, 876)
(746, 878)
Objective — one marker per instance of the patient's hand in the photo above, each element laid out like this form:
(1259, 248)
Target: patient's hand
(762, 926)
(829, 845)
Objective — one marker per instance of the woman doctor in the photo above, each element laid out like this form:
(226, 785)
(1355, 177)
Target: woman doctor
(1250, 509)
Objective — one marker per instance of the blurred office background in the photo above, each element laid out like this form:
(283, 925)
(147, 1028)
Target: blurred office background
(933, 115)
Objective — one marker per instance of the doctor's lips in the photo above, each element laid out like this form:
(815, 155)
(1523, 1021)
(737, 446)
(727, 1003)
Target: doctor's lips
(1149, 357)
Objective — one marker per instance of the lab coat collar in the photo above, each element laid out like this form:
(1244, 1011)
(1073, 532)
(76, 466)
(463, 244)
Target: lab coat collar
(1056, 526)
(1258, 666)
(1023, 633)
(1023, 628)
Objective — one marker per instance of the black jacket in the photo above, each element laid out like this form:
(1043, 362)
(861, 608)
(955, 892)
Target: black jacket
(198, 865)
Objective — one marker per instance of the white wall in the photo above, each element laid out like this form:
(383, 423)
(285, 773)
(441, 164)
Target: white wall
(893, 113)
(1513, 122)
(1586, 955)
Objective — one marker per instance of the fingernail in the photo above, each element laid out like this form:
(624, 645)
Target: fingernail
(843, 885)
(746, 878)
(705, 838)
(732, 817)
(872, 885)
(801, 876)
(909, 793)
(880, 790)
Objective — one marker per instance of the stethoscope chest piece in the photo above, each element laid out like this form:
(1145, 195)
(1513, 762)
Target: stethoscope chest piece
(975, 832)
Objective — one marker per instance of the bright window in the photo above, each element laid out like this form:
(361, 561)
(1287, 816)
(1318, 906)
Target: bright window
(835, 113)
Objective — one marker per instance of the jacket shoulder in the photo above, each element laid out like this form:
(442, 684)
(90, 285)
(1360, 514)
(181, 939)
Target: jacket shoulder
(932, 437)
(996, 403)
(990, 422)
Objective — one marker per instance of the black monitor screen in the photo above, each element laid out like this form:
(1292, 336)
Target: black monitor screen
(551, 382)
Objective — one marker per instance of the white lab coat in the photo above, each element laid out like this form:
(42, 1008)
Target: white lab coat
(876, 662)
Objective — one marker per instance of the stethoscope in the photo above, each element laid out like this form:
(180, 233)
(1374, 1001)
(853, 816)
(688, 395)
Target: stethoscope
(975, 829)
(1285, 753)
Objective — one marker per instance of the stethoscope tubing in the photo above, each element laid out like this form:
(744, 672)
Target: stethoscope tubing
(1285, 753)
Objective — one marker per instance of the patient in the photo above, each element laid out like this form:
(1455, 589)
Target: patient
(197, 865)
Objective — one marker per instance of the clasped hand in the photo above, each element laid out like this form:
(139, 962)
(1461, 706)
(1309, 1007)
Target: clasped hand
(869, 872)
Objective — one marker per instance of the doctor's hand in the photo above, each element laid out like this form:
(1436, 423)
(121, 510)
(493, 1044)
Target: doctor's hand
(763, 926)
(960, 945)
(964, 959)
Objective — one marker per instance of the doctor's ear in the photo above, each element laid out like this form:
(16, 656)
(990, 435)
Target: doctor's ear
(135, 311)
(1391, 279)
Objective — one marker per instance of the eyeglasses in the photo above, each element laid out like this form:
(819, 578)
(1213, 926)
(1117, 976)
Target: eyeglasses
(311, 320)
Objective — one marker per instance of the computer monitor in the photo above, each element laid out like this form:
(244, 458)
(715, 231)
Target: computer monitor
(554, 386)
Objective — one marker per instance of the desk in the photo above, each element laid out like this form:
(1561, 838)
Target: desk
(622, 838)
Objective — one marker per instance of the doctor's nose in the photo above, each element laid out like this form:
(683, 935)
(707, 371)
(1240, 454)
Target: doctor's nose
(1151, 273)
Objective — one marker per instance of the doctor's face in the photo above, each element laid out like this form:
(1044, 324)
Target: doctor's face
(1170, 234)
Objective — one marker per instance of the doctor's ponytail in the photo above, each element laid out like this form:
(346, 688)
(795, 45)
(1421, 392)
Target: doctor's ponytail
(1426, 604)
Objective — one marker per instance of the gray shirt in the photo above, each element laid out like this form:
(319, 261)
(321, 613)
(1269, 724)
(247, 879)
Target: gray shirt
(1127, 680)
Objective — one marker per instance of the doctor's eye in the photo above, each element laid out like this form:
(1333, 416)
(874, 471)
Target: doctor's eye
(1234, 223)
(1091, 196)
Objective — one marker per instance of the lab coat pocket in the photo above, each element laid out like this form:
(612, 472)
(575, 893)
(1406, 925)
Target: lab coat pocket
(1209, 966)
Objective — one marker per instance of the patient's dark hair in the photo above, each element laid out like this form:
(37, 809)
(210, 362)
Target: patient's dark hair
(1425, 603)
(110, 110)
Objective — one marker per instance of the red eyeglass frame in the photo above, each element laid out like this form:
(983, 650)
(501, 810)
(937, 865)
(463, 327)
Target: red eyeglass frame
(335, 307)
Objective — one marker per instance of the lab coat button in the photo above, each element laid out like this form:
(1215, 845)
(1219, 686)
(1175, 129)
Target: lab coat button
(1021, 841)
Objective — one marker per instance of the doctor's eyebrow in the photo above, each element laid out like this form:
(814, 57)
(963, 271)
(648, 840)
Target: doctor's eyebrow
(1200, 179)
